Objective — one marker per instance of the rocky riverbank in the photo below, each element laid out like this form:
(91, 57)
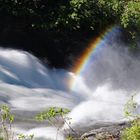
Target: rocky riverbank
(112, 132)
(108, 132)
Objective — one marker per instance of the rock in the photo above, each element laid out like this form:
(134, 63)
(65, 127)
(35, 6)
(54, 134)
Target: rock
(111, 132)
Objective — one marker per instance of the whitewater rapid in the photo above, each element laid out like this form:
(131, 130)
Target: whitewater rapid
(97, 97)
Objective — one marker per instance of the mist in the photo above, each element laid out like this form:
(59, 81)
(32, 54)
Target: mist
(95, 97)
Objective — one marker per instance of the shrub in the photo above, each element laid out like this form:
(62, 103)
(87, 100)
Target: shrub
(132, 132)
(52, 114)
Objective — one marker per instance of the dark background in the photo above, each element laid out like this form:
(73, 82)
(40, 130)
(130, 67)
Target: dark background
(59, 31)
(58, 49)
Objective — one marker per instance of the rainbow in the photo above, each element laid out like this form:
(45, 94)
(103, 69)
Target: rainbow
(93, 48)
(87, 58)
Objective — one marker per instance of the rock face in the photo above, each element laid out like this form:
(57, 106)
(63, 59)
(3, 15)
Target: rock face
(111, 132)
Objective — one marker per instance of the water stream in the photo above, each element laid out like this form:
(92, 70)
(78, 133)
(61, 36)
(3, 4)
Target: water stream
(95, 97)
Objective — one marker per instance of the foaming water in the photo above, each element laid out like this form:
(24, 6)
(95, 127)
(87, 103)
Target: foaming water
(95, 97)
(51, 133)
(111, 79)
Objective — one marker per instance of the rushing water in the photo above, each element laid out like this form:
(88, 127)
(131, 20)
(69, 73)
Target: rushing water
(95, 97)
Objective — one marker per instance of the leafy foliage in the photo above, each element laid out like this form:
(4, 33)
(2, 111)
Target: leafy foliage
(51, 114)
(25, 137)
(131, 14)
(7, 119)
(73, 14)
(133, 132)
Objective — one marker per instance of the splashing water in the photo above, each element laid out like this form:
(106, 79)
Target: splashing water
(95, 92)
(110, 75)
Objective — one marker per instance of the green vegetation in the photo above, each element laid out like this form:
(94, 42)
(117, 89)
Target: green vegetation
(25, 137)
(133, 132)
(73, 14)
(6, 120)
(54, 114)
(6, 132)
(65, 27)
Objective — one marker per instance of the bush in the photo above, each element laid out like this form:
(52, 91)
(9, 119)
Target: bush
(133, 132)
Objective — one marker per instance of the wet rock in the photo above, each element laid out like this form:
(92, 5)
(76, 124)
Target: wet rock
(111, 132)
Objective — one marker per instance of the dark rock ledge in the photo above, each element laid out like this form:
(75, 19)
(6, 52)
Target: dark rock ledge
(111, 132)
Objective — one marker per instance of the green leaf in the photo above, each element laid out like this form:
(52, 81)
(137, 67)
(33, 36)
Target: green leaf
(11, 118)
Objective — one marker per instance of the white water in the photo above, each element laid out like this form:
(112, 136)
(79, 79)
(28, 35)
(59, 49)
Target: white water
(97, 97)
